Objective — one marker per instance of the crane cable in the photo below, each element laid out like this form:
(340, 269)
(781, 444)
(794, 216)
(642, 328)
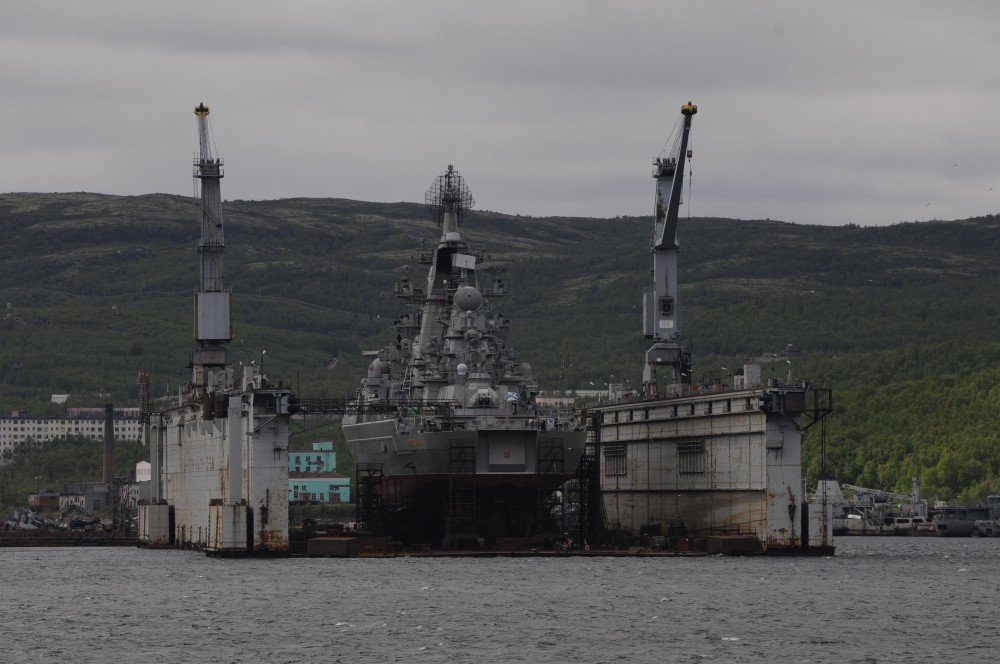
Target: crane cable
(690, 158)
(673, 139)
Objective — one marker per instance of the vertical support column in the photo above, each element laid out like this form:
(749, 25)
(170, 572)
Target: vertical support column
(235, 435)
(155, 465)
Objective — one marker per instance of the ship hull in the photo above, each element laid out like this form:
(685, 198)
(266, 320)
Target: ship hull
(959, 521)
(718, 463)
(433, 480)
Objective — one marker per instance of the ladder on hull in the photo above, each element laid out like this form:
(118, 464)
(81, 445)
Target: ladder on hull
(591, 526)
(462, 521)
(370, 513)
(554, 516)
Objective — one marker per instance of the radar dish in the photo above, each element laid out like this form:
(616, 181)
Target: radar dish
(449, 193)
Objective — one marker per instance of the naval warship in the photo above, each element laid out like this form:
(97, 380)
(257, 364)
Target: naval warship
(715, 462)
(446, 418)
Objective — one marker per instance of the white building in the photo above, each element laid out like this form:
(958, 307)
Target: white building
(85, 422)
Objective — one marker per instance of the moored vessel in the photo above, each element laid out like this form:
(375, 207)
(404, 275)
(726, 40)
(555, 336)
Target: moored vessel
(451, 445)
(965, 521)
(879, 512)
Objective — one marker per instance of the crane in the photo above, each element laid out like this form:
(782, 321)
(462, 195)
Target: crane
(661, 306)
(871, 498)
(213, 326)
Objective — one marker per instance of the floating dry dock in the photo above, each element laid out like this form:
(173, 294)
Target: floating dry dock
(716, 461)
(708, 462)
(219, 448)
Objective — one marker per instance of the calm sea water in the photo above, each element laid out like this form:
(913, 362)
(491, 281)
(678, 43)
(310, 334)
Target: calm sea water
(877, 600)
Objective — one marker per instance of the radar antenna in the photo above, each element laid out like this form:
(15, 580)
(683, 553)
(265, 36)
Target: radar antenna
(449, 193)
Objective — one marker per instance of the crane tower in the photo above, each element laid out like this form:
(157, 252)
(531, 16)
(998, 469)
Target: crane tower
(668, 362)
(212, 305)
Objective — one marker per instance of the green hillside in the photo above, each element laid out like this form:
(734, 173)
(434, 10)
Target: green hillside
(901, 321)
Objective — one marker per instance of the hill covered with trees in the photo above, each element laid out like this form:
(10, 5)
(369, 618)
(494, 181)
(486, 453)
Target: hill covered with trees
(901, 321)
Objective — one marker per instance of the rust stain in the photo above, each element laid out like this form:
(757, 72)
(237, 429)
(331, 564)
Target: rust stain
(272, 540)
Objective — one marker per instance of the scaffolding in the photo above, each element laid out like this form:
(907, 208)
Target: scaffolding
(370, 513)
(462, 509)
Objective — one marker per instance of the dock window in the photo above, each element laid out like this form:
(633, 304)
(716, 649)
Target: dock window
(614, 460)
(691, 457)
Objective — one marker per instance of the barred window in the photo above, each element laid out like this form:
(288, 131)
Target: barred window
(691, 457)
(614, 460)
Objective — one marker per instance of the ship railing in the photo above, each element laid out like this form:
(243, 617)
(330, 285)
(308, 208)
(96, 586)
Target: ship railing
(419, 415)
(409, 290)
(680, 391)
(492, 420)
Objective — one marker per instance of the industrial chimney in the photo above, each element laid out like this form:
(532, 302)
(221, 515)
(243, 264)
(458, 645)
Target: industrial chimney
(109, 444)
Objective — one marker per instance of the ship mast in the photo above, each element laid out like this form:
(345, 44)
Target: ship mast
(447, 199)
(668, 362)
(212, 306)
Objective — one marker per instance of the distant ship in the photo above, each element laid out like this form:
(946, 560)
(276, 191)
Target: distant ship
(219, 446)
(878, 512)
(445, 428)
(966, 521)
(714, 462)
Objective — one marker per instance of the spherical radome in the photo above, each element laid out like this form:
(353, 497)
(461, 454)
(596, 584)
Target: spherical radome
(468, 298)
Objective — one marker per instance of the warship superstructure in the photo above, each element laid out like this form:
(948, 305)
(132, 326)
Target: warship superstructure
(704, 460)
(219, 446)
(447, 419)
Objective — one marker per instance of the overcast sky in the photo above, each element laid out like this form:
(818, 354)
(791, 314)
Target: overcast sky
(865, 112)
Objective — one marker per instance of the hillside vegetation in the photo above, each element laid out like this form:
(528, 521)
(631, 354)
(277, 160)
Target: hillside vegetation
(901, 321)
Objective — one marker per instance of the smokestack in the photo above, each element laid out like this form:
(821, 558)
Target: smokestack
(109, 443)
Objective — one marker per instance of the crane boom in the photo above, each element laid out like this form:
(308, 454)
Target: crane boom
(885, 496)
(661, 301)
(669, 174)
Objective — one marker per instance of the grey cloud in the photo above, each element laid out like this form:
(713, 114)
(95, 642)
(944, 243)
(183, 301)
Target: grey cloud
(808, 113)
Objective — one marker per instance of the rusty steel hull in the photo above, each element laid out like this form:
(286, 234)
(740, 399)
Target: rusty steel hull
(717, 463)
(224, 472)
(510, 474)
(507, 506)
(497, 450)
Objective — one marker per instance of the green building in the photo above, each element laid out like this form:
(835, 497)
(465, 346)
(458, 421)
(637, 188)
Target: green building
(313, 476)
